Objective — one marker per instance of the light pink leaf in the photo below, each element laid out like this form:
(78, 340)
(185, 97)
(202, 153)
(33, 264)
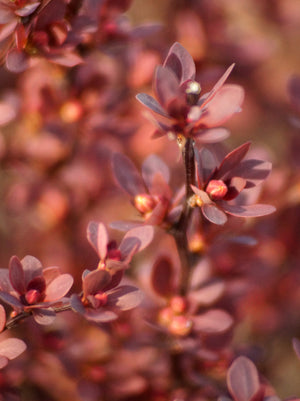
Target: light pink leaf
(98, 238)
(151, 103)
(28, 9)
(213, 321)
(16, 61)
(153, 165)
(67, 59)
(208, 294)
(138, 238)
(16, 275)
(58, 287)
(181, 63)
(166, 85)
(232, 160)
(248, 210)
(125, 297)
(12, 347)
(7, 113)
(214, 214)
(242, 379)
(95, 281)
(44, 316)
(211, 135)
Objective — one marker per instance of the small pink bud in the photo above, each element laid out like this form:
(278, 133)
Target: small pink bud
(216, 189)
(33, 296)
(180, 325)
(178, 304)
(165, 316)
(144, 203)
(101, 299)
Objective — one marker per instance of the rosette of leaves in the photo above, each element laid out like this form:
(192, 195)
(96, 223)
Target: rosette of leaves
(183, 109)
(149, 191)
(28, 288)
(220, 186)
(102, 297)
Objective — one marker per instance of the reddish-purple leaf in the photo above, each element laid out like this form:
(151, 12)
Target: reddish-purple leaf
(2, 318)
(100, 315)
(32, 268)
(127, 175)
(158, 214)
(294, 90)
(208, 294)
(115, 280)
(153, 165)
(67, 59)
(37, 283)
(11, 300)
(213, 321)
(8, 29)
(50, 273)
(125, 225)
(232, 160)
(166, 85)
(226, 102)
(28, 9)
(53, 10)
(124, 297)
(6, 14)
(206, 164)
(248, 210)
(296, 346)
(16, 275)
(242, 379)
(202, 195)
(236, 185)
(208, 96)
(181, 63)
(58, 287)
(95, 282)
(12, 347)
(214, 214)
(253, 171)
(163, 277)
(137, 238)
(151, 103)
(44, 316)
(76, 304)
(98, 238)
(16, 61)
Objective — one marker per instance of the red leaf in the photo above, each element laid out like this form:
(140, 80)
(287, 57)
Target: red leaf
(181, 63)
(248, 210)
(214, 214)
(242, 379)
(16, 61)
(98, 238)
(44, 316)
(232, 160)
(162, 277)
(125, 297)
(2, 318)
(16, 275)
(137, 238)
(127, 175)
(166, 85)
(151, 103)
(211, 135)
(95, 281)
(28, 9)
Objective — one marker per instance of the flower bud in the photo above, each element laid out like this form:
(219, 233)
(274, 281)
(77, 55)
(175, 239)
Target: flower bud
(178, 304)
(216, 189)
(100, 299)
(144, 203)
(180, 325)
(165, 316)
(33, 296)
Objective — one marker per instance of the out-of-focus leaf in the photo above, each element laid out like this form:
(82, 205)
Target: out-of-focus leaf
(162, 277)
(100, 315)
(125, 225)
(159, 213)
(209, 293)
(115, 280)
(44, 316)
(67, 59)
(151, 103)
(211, 135)
(98, 238)
(181, 63)
(124, 297)
(16, 61)
(12, 347)
(58, 287)
(153, 165)
(206, 164)
(214, 214)
(95, 282)
(6, 14)
(296, 346)
(232, 160)
(248, 210)
(7, 113)
(50, 273)
(16, 275)
(76, 304)
(137, 238)
(53, 10)
(2, 318)
(213, 321)
(7, 29)
(127, 175)
(242, 379)
(3, 361)
(37, 283)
